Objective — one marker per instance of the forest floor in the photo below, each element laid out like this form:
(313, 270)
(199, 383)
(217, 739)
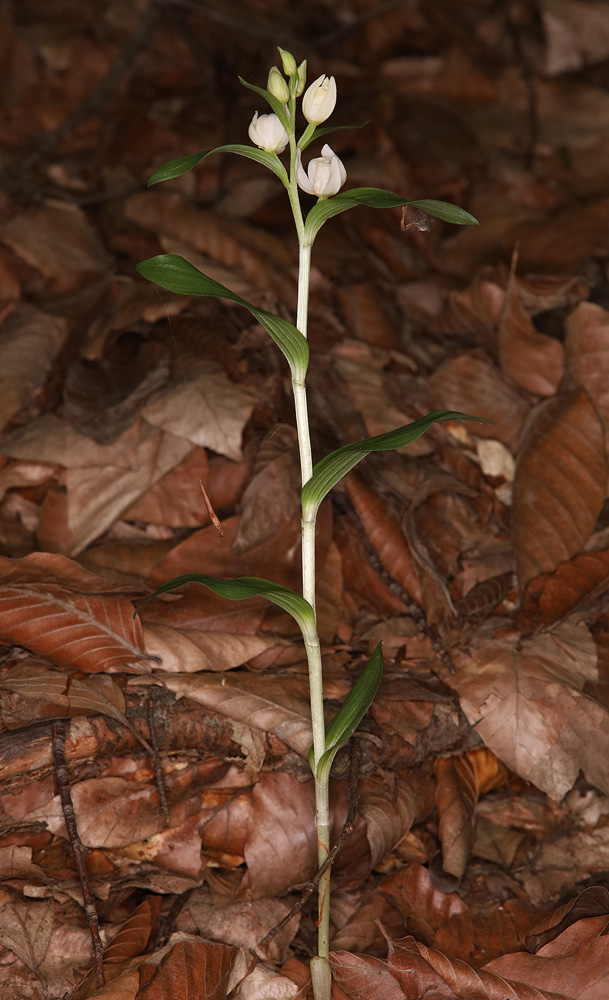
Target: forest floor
(478, 862)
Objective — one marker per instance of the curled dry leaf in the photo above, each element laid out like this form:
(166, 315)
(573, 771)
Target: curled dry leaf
(559, 487)
(593, 901)
(426, 908)
(50, 694)
(552, 596)
(86, 627)
(524, 698)
(391, 810)
(190, 650)
(587, 354)
(456, 799)
(363, 977)
(531, 358)
(29, 342)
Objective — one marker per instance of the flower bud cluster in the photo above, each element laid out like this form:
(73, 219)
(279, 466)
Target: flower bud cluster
(325, 174)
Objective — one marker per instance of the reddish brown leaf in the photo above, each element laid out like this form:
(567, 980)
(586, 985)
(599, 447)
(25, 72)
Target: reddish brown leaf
(29, 341)
(559, 486)
(532, 359)
(364, 978)
(552, 596)
(48, 693)
(57, 609)
(593, 901)
(191, 970)
(477, 938)
(426, 908)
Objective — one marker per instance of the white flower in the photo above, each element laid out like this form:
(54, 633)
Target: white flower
(319, 100)
(267, 132)
(325, 176)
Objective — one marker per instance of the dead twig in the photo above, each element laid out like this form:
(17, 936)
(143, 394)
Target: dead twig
(78, 849)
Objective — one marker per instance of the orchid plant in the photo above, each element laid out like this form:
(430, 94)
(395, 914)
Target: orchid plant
(323, 178)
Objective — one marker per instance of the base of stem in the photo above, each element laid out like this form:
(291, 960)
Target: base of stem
(321, 977)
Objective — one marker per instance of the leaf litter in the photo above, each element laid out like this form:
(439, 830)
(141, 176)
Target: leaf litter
(477, 554)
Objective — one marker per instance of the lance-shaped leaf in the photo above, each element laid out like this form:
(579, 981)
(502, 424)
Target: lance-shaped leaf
(337, 464)
(379, 198)
(276, 106)
(354, 708)
(175, 168)
(177, 275)
(243, 587)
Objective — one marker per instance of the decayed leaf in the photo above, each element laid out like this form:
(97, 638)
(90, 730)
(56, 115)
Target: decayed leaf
(244, 923)
(524, 698)
(559, 486)
(531, 358)
(209, 411)
(50, 694)
(551, 596)
(587, 353)
(86, 627)
(101, 481)
(263, 983)
(110, 812)
(29, 341)
(25, 927)
(456, 798)
(472, 384)
(188, 651)
(419, 969)
(271, 704)
(576, 962)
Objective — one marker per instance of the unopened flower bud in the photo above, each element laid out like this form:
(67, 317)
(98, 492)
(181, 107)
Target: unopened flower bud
(288, 61)
(302, 77)
(325, 175)
(267, 132)
(319, 101)
(277, 86)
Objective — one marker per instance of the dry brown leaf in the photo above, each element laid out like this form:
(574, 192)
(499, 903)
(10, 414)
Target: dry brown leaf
(110, 812)
(471, 384)
(587, 354)
(25, 927)
(29, 342)
(191, 970)
(272, 704)
(177, 849)
(593, 901)
(356, 917)
(559, 487)
(244, 923)
(188, 651)
(576, 34)
(525, 699)
(363, 977)
(391, 810)
(50, 694)
(45, 587)
(426, 908)
(209, 410)
(281, 851)
(58, 240)
(531, 358)
(552, 596)
(576, 962)
(456, 799)
(126, 987)
(270, 500)
(477, 938)
(99, 482)
(419, 969)
(263, 983)
(366, 317)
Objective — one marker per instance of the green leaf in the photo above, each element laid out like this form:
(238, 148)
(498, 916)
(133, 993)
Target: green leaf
(175, 168)
(243, 587)
(177, 275)
(379, 198)
(276, 106)
(354, 708)
(319, 132)
(337, 464)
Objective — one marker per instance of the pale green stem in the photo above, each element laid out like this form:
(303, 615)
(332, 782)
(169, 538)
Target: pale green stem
(320, 968)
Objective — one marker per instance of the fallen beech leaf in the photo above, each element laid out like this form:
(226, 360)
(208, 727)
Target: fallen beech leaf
(50, 694)
(58, 239)
(126, 987)
(25, 927)
(110, 812)
(244, 923)
(270, 704)
(177, 849)
(363, 977)
(263, 983)
(426, 908)
(456, 799)
(477, 938)
(587, 353)
(419, 969)
(524, 698)
(87, 627)
(390, 811)
(189, 651)
(209, 411)
(29, 342)
(576, 962)
(559, 487)
(552, 596)
(593, 901)
(192, 970)
(531, 358)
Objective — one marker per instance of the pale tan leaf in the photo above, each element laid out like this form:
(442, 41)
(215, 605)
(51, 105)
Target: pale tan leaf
(363, 977)
(263, 983)
(16, 862)
(209, 411)
(523, 699)
(25, 927)
(244, 923)
(177, 849)
(559, 487)
(576, 34)
(188, 650)
(125, 987)
(270, 704)
(29, 342)
(456, 799)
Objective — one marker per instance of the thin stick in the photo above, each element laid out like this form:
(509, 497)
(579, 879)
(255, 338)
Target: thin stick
(156, 761)
(215, 520)
(346, 832)
(78, 849)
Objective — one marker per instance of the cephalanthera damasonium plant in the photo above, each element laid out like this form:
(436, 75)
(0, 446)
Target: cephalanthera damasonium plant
(323, 177)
